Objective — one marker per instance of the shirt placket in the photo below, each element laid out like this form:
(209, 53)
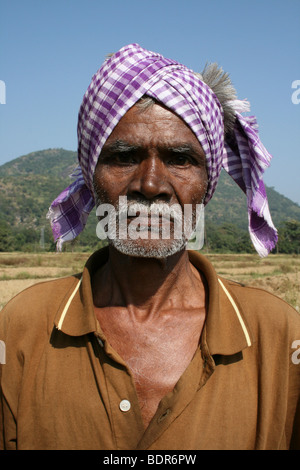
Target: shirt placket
(122, 402)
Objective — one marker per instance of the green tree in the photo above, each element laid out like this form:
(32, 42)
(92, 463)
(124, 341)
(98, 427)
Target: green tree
(227, 238)
(289, 237)
(6, 237)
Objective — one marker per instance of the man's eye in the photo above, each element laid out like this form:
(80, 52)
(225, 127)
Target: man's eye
(124, 159)
(180, 160)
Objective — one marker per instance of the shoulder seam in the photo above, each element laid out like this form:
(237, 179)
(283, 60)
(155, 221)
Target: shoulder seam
(260, 289)
(36, 284)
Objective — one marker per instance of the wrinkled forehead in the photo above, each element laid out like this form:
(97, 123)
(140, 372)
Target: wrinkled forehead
(123, 80)
(150, 126)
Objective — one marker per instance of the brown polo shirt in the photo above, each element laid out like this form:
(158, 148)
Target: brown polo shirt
(64, 387)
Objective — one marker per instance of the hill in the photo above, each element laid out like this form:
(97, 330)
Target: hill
(29, 183)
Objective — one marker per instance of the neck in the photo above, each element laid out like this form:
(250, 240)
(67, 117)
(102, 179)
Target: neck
(144, 284)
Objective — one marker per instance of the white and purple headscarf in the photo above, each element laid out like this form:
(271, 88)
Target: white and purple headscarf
(122, 80)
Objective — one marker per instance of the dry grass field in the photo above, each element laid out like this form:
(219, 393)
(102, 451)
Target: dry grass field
(279, 274)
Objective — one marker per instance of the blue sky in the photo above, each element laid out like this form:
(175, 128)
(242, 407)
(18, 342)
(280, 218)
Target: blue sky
(50, 50)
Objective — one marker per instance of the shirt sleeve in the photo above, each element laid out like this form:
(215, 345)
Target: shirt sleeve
(1, 414)
(10, 378)
(295, 441)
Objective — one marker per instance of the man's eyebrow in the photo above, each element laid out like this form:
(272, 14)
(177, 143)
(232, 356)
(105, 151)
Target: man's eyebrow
(182, 148)
(119, 146)
(187, 148)
(122, 146)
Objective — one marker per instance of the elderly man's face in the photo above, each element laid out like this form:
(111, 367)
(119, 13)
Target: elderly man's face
(151, 156)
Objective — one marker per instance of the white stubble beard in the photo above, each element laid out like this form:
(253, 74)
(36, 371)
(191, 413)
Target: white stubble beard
(147, 248)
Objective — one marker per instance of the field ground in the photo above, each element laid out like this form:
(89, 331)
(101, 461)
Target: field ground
(279, 274)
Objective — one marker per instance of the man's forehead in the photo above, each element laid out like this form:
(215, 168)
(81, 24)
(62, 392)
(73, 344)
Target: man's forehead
(155, 112)
(157, 125)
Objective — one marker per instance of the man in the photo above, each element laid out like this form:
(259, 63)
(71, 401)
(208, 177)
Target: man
(149, 348)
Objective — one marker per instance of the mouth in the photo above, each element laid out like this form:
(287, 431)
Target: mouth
(161, 220)
(150, 218)
(147, 224)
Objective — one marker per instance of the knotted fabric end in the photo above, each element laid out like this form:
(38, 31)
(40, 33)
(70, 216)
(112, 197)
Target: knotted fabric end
(68, 213)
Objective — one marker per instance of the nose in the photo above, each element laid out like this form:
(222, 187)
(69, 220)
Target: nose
(150, 181)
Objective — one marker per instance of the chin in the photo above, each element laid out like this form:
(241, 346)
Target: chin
(159, 249)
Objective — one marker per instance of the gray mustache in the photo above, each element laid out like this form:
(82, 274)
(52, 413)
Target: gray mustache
(136, 208)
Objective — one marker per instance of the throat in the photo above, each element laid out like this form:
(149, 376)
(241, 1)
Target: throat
(145, 284)
(156, 352)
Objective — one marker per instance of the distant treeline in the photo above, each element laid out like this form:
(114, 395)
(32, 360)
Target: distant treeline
(226, 238)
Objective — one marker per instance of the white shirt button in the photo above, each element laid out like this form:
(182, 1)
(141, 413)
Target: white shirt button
(125, 405)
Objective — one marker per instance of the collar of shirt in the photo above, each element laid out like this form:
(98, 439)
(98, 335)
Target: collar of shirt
(226, 330)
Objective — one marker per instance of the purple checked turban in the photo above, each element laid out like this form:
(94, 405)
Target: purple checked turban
(122, 80)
